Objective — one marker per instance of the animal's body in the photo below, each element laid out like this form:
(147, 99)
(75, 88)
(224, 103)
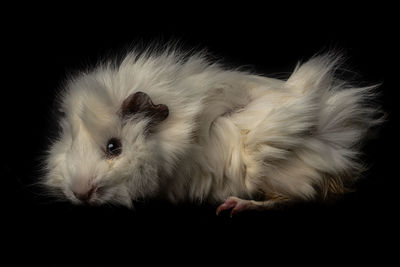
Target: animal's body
(186, 129)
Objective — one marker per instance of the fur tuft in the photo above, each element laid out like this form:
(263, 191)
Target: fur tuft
(345, 114)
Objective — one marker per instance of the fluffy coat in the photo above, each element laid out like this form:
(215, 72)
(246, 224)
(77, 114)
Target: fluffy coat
(228, 132)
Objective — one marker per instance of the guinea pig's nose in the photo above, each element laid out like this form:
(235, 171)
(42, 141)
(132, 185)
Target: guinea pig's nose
(84, 196)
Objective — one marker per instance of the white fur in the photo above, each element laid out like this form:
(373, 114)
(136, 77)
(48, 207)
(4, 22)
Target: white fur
(228, 133)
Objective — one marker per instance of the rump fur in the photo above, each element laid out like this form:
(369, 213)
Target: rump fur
(295, 139)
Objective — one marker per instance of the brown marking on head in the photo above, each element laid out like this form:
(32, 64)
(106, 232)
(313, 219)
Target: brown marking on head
(141, 103)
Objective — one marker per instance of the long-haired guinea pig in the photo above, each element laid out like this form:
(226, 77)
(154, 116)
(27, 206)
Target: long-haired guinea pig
(179, 127)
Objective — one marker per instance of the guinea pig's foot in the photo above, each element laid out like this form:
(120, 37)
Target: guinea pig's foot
(238, 205)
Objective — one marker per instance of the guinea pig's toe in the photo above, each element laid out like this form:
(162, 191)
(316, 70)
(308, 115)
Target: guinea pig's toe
(230, 203)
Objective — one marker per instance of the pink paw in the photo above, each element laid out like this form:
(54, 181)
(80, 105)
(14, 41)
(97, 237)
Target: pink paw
(236, 204)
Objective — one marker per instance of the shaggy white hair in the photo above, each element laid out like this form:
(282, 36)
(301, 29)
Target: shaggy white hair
(228, 132)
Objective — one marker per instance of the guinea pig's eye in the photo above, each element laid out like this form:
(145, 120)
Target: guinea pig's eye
(113, 148)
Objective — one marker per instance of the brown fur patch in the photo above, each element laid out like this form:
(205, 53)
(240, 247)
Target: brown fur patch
(141, 103)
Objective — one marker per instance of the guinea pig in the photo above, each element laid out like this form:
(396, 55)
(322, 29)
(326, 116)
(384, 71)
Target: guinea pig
(180, 127)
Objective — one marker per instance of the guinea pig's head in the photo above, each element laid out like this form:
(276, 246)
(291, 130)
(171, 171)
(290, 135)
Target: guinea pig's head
(108, 151)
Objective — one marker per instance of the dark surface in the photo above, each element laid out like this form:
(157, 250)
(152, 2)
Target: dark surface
(44, 47)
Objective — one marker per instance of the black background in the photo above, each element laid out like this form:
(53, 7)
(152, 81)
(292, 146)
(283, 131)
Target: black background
(42, 46)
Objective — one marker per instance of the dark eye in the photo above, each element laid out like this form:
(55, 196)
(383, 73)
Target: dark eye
(113, 148)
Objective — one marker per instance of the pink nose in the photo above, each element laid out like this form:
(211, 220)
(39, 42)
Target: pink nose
(84, 196)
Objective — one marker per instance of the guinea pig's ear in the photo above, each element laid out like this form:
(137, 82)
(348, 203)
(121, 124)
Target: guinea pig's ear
(140, 103)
